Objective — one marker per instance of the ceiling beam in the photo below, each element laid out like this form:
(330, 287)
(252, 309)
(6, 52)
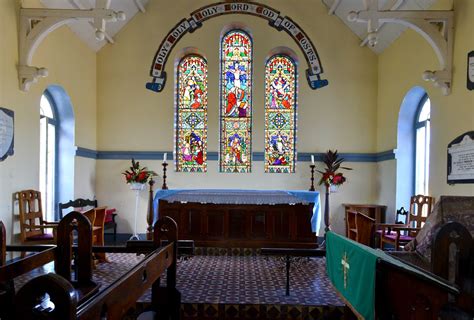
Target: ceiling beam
(425, 23)
(334, 6)
(37, 23)
(108, 37)
(396, 4)
(139, 5)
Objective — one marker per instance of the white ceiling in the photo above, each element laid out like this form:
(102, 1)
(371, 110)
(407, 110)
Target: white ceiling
(387, 32)
(386, 35)
(85, 30)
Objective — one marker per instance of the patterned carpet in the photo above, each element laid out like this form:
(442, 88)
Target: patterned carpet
(236, 287)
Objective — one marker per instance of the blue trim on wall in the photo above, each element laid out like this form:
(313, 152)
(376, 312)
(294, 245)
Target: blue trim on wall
(214, 156)
(86, 153)
(385, 155)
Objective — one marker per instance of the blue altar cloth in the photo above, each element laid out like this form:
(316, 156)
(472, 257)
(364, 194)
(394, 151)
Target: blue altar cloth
(233, 196)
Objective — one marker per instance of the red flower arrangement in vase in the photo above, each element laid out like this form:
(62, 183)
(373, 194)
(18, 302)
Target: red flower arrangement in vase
(330, 176)
(138, 175)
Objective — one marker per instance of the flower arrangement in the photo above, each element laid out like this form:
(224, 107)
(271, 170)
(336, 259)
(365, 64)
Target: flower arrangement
(138, 175)
(330, 176)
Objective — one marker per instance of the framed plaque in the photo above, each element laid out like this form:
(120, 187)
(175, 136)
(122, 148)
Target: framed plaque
(461, 159)
(6, 133)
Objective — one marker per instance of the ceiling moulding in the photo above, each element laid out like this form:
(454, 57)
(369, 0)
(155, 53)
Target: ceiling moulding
(436, 27)
(36, 24)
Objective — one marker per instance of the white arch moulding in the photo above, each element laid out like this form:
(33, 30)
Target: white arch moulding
(427, 24)
(275, 20)
(36, 24)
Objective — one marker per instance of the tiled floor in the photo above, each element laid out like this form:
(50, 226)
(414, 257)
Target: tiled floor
(237, 287)
(253, 280)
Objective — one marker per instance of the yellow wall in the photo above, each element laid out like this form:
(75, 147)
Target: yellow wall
(341, 116)
(71, 65)
(400, 69)
(357, 112)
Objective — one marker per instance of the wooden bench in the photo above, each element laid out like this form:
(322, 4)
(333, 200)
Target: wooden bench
(81, 298)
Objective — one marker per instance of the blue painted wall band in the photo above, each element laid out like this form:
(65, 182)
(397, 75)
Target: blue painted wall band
(213, 156)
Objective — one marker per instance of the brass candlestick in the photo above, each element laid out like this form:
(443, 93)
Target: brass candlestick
(150, 217)
(312, 166)
(164, 186)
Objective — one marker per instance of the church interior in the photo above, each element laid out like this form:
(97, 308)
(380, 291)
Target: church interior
(267, 159)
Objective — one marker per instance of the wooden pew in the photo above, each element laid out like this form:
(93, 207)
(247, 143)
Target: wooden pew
(80, 299)
(406, 286)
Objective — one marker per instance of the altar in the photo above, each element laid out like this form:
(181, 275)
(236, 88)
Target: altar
(243, 218)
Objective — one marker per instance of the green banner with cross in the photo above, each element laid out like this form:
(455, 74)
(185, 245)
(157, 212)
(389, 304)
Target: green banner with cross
(351, 269)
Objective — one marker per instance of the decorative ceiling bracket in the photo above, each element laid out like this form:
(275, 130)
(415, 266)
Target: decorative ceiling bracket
(436, 27)
(36, 24)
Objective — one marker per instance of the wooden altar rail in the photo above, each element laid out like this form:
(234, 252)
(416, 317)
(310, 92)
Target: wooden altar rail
(81, 299)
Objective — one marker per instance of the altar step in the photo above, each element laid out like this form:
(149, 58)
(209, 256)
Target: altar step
(210, 311)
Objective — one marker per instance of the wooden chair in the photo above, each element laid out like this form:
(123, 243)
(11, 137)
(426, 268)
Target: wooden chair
(360, 227)
(96, 217)
(109, 219)
(33, 227)
(400, 234)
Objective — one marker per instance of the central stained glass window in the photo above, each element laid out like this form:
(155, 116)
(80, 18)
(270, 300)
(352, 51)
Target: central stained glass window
(280, 114)
(236, 102)
(191, 115)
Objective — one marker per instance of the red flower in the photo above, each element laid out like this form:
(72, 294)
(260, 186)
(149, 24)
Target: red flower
(142, 176)
(137, 174)
(338, 179)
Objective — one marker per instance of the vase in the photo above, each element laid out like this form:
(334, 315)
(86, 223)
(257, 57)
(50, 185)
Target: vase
(137, 186)
(333, 188)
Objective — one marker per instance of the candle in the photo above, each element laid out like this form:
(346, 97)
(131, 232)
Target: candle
(164, 157)
(312, 159)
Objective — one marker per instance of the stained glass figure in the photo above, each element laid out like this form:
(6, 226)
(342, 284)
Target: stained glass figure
(280, 114)
(236, 102)
(191, 115)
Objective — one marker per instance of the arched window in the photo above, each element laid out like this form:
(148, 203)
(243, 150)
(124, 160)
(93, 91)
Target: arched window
(191, 115)
(236, 102)
(48, 153)
(57, 150)
(422, 146)
(280, 114)
(405, 154)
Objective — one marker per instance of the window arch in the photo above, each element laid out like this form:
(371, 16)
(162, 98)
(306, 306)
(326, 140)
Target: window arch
(406, 145)
(422, 146)
(48, 154)
(236, 102)
(191, 115)
(280, 114)
(57, 150)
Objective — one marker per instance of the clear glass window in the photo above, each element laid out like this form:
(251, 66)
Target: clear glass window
(422, 147)
(47, 157)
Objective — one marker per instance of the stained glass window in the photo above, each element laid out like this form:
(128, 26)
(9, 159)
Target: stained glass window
(191, 115)
(236, 102)
(280, 114)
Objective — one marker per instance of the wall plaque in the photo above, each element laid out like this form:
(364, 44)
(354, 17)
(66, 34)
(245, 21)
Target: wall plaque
(461, 159)
(6, 133)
